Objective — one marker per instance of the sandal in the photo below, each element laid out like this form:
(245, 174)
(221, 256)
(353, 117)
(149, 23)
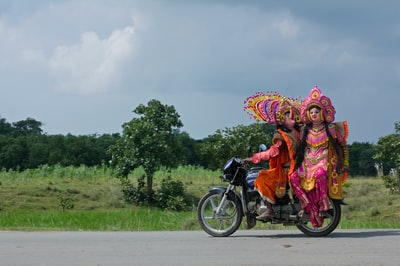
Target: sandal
(301, 213)
(268, 214)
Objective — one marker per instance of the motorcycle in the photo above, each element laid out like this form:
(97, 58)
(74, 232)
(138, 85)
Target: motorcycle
(220, 211)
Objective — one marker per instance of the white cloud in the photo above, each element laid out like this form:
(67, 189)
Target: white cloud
(287, 27)
(93, 64)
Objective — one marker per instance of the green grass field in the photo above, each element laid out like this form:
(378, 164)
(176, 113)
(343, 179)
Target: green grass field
(82, 198)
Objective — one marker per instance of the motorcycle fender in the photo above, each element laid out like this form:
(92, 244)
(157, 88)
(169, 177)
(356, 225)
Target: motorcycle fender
(231, 195)
(342, 202)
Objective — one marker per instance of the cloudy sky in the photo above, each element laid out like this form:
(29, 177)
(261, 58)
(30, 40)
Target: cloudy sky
(82, 67)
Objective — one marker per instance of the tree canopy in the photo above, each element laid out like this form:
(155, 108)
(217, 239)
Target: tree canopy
(149, 141)
(229, 142)
(152, 139)
(388, 150)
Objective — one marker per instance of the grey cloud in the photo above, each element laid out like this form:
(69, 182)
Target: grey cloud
(205, 58)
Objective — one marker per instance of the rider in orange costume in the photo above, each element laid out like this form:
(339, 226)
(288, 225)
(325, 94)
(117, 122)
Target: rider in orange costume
(285, 114)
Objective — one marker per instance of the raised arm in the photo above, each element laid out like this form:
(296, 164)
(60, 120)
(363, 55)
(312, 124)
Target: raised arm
(272, 152)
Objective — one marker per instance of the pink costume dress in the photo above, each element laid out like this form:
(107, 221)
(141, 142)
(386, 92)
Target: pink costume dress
(316, 177)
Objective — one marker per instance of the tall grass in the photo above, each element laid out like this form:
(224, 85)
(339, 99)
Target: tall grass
(370, 205)
(90, 198)
(112, 220)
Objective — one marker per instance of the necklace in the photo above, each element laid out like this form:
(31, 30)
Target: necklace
(317, 129)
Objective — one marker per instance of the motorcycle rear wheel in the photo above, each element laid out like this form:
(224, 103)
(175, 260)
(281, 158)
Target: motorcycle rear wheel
(221, 224)
(331, 221)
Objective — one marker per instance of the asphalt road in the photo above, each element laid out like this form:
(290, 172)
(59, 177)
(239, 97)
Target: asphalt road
(260, 247)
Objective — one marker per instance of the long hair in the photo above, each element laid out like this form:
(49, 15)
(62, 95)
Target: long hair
(288, 130)
(303, 144)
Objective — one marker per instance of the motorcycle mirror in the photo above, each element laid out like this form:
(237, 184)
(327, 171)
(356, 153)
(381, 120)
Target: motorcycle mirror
(248, 150)
(262, 147)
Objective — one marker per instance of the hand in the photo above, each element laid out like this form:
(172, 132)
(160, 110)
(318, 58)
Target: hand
(340, 169)
(345, 169)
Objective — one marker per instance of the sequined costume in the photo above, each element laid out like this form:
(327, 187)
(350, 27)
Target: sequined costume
(319, 175)
(272, 183)
(271, 108)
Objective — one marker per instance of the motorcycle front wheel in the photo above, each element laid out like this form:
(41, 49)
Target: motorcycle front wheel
(222, 223)
(331, 221)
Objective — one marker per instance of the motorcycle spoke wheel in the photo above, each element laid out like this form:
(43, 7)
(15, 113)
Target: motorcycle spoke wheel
(222, 223)
(331, 221)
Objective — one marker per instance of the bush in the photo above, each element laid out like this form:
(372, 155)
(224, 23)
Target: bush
(139, 195)
(170, 196)
(66, 202)
(391, 182)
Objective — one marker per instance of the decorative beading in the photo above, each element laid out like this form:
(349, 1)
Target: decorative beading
(316, 98)
(271, 107)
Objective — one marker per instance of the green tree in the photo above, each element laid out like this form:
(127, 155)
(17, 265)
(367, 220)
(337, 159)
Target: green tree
(224, 144)
(38, 151)
(148, 141)
(27, 127)
(14, 155)
(188, 149)
(388, 148)
(361, 159)
(57, 147)
(388, 151)
(23, 146)
(5, 127)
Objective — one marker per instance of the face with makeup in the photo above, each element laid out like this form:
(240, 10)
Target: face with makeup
(315, 115)
(289, 120)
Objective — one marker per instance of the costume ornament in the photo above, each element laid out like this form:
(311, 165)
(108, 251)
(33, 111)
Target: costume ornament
(315, 98)
(271, 107)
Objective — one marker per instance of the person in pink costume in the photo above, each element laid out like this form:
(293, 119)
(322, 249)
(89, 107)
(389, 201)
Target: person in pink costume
(285, 114)
(322, 157)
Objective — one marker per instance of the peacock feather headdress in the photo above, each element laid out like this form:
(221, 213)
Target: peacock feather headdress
(271, 107)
